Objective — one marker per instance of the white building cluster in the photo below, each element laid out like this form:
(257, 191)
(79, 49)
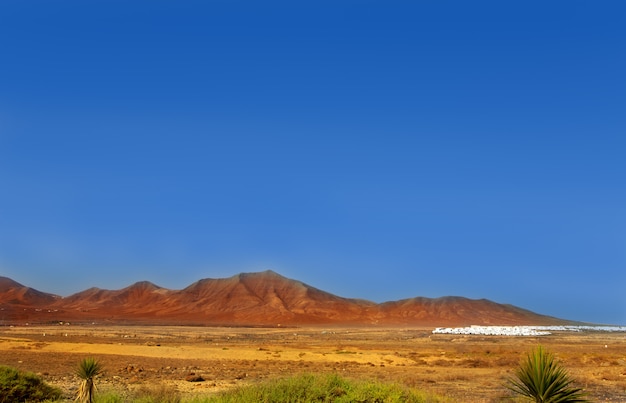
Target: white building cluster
(524, 330)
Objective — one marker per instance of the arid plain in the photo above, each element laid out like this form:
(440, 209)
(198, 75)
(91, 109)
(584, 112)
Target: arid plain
(463, 368)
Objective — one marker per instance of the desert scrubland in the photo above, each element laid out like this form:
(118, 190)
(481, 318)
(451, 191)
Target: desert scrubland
(465, 368)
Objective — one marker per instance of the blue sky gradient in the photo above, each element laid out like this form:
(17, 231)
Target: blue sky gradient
(377, 150)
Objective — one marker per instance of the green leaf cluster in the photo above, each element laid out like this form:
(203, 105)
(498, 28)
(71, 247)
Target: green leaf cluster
(542, 379)
(87, 370)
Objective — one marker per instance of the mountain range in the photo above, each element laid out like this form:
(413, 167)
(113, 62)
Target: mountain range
(249, 299)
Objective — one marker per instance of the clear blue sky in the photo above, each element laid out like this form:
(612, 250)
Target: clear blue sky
(377, 150)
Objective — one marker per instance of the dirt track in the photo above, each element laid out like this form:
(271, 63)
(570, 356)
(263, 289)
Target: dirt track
(465, 368)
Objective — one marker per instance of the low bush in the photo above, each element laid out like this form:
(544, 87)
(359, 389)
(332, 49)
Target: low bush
(19, 386)
(323, 388)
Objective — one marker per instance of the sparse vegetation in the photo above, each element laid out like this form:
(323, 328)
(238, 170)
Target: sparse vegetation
(18, 386)
(457, 368)
(305, 388)
(157, 394)
(540, 378)
(324, 388)
(110, 397)
(87, 370)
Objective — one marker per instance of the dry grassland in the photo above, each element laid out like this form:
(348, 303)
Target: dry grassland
(464, 368)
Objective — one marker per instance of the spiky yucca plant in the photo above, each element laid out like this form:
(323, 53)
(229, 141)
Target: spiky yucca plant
(87, 370)
(544, 380)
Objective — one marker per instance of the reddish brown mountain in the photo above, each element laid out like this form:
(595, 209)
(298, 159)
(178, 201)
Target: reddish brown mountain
(460, 311)
(136, 301)
(19, 303)
(266, 298)
(14, 293)
(252, 299)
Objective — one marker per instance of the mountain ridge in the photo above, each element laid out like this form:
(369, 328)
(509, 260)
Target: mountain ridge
(251, 299)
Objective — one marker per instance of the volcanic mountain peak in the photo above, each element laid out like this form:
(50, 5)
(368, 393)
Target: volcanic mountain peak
(263, 279)
(258, 285)
(266, 274)
(144, 286)
(271, 287)
(270, 280)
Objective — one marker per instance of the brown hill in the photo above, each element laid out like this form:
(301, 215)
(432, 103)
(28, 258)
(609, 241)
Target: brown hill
(460, 311)
(266, 298)
(17, 301)
(253, 299)
(14, 293)
(140, 294)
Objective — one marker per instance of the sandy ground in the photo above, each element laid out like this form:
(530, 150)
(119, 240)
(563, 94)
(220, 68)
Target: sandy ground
(465, 368)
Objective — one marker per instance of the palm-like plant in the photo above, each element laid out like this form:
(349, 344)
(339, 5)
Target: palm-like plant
(543, 380)
(87, 370)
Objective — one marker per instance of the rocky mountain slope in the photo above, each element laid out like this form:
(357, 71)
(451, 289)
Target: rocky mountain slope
(249, 299)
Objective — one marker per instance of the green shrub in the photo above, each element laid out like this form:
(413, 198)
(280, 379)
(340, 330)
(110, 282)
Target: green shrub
(540, 378)
(322, 389)
(18, 386)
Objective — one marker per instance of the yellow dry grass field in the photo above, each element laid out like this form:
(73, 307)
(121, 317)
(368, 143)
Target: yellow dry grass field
(464, 368)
